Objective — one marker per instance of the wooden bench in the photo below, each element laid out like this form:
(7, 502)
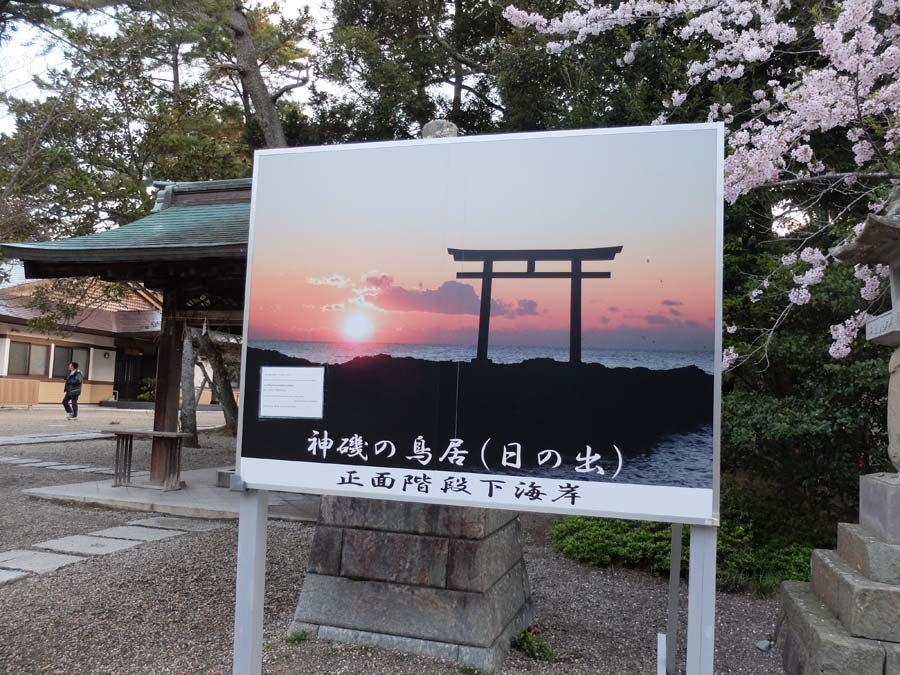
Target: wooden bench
(124, 445)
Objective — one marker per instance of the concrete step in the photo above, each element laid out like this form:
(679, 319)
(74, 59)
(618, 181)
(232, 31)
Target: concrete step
(814, 641)
(866, 608)
(868, 555)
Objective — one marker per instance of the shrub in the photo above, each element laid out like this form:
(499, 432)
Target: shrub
(297, 637)
(148, 389)
(526, 642)
(759, 545)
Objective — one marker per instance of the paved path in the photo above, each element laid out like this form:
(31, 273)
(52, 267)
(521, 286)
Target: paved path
(200, 499)
(33, 463)
(48, 556)
(32, 439)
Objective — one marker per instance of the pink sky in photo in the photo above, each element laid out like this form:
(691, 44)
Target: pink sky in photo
(350, 244)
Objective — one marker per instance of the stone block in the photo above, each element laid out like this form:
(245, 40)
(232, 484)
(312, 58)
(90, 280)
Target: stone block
(413, 518)
(68, 467)
(474, 565)
(441, 615)
(39, 562)
(879, 505)
(136, 533)
(814, 641)
(891, 658)
(399, 558)
(430, 648)
(223, 478)
(8, 576)
(483, 659)
(325, 554)
(86, 545)
(489, 659)
(508, 596)
(182, 524)
(868, 555)
(23, 461)
(866, 608)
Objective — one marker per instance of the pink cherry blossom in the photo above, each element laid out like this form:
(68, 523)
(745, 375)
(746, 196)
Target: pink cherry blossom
(847, 95)
(799, 296)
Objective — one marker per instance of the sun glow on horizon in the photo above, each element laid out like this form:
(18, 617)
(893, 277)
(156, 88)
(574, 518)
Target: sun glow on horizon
(357, 327)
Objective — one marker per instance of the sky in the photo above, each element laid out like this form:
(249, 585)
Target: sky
(31, 53)
(350, 244)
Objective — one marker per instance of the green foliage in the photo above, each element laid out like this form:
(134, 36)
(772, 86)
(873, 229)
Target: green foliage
(793, 415)
(297, 637)
(762, 540)
(148, 390)
(527, 643)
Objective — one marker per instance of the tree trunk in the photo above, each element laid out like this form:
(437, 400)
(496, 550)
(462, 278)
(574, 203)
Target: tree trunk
(252, 79)
(456, 110)
(220, 381)
(188, 400)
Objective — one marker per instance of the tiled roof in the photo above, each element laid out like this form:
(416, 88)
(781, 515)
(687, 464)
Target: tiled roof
(186, 229)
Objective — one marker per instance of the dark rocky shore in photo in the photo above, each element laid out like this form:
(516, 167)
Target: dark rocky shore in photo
(539, 403)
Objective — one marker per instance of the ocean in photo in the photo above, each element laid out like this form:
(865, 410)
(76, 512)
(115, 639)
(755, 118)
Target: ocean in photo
(337, 352)
(683, 459)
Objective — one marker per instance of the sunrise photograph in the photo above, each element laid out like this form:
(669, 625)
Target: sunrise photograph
(446, 298)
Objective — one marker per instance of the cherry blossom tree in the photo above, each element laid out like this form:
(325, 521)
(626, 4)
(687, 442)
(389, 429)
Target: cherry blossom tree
(810, 99)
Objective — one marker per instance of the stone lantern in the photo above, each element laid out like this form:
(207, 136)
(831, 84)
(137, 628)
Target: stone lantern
(847, 619)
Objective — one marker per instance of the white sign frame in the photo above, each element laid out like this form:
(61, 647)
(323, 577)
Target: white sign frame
(655, 504)
(255, 477)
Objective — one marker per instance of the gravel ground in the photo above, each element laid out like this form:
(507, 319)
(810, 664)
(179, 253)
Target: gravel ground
(166, 606)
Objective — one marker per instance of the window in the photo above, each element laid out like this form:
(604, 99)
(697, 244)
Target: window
(63, 356)
(28, 359)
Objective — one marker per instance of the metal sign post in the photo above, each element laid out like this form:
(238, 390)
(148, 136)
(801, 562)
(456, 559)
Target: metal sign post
(250, 588)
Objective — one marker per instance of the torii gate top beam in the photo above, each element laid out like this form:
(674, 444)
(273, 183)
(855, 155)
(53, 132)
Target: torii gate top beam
(478, 255)
(575, 256)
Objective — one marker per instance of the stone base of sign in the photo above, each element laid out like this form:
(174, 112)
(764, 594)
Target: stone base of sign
(447, 582)
(847, 620)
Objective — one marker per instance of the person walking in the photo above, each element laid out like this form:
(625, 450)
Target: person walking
(73, 391)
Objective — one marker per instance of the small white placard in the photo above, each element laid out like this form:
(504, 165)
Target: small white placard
(292, 392)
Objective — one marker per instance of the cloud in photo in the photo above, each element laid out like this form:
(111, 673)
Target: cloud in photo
(329, 280)
(377, 290)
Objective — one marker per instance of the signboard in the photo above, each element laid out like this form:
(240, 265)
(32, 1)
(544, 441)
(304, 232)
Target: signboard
(526, 321)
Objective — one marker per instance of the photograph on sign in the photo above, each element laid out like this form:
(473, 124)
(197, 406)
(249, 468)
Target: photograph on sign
(527, 321)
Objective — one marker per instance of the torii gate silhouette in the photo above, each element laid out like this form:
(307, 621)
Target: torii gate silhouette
(530, 256)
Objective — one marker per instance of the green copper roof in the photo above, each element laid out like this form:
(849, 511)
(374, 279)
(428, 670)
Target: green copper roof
(171, 233)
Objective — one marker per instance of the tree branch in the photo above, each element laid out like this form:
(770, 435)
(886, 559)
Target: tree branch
(477, 94)
(281, 91)
(451, 51)
(825, 177)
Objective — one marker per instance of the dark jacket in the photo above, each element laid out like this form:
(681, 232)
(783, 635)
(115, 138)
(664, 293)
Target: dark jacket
(73, 383)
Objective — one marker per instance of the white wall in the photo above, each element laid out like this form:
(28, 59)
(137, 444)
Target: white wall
(100, 369)
(103, 365)
(4, 357)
